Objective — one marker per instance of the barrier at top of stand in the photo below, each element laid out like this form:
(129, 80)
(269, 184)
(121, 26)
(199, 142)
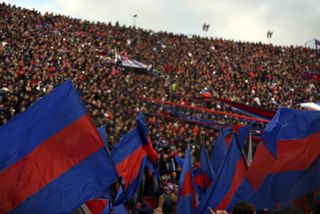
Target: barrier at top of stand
(198, 108)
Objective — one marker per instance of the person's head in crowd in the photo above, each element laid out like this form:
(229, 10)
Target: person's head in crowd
(243, 208)
(292, 210)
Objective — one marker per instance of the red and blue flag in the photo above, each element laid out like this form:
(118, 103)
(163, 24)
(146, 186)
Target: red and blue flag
(52, 159)
(220, 148)
(286, 165)
(186, 198)
(205, 175)
(130, 156)
(229, 177)
(104, 137)
(206, 168)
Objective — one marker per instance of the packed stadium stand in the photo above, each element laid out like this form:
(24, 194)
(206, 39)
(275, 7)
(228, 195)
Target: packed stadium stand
(38, 51)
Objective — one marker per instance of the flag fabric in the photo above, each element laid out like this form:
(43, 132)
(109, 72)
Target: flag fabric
(153, 169)
(204, 178)
(229, 177)
(52, 159)
(250, 110)
(311, 106)
(242, 134)
(220, 148)
(119, 209)
(286, 165)
(146, 140)
(179, 160)
(110, 193)
(133, 64)
(104, 137)
(136, 65)
(98, 206)
(197, 176)
(186, 198)
(205, 168)
(130, 156)
(95, 206)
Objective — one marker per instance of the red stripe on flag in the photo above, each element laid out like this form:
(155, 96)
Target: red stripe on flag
(188, 187)
(239, 174)
(47, 162)
(96, 206)
(129, 168)
(297, 154)
(291, 155)
(260, 166)
(151, 153)
(202, 180)
(228, 139)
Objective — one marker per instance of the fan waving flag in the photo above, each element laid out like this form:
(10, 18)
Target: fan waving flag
(186, 199)
(130, 156)
(229, 177)
(286, 165)
(52, 159)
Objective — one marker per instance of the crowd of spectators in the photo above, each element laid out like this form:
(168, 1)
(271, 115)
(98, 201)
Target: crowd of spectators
(39, 51)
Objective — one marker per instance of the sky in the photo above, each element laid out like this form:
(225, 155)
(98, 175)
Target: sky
(293, 22)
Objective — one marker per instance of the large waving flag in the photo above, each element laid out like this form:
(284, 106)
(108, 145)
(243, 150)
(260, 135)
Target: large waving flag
(229, 177)
(286, 165)
(186, 198)
(130, 156)
(52, 159)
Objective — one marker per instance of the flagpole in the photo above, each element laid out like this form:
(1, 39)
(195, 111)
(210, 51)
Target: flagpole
(241, 150)
(119, 179)
(249, 156)
(125, 195)
(111, 208)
